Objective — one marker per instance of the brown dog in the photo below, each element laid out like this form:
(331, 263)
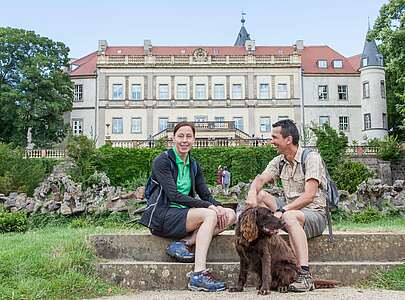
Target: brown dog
(266, 253)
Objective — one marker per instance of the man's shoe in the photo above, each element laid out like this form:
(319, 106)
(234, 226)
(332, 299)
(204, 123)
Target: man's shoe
(303, 283)
(180, 251)
(204, 281)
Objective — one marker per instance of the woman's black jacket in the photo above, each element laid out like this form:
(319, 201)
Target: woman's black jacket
(164, 177)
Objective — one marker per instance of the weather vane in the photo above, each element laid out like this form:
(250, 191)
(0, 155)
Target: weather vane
(243, 17)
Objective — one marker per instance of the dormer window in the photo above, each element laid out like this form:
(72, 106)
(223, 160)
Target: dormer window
(364, 62)
(322, 64)
(380, 59)
(337, 64)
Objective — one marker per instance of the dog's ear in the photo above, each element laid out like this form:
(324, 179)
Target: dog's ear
(248, 226)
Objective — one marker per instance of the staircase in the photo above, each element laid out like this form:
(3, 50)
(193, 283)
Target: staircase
(139, 261)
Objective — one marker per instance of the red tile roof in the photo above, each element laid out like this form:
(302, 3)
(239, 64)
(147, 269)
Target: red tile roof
(310, 56)
(86, 65)
(355, 61)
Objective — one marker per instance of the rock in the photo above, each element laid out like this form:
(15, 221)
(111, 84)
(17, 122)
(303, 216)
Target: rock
(65, 209)
(399, 200)
(139, 193)
(398, 185)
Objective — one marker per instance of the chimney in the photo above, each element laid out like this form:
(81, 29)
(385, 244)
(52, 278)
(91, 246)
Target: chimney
(102, 46)
(250, 45)
(299, 44)
(147, 47)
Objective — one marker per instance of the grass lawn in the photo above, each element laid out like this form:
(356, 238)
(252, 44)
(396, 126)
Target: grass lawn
(50, 263)
(385, 224)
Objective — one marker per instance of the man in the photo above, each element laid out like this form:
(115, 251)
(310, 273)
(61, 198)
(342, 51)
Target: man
(303, 210)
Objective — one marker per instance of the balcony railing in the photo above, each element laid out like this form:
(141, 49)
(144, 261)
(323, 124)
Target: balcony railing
(46, 153)
(208, 125)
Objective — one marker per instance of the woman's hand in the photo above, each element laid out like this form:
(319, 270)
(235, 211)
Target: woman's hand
(221, 216)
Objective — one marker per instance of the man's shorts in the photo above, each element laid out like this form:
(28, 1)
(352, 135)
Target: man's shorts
(315, 220)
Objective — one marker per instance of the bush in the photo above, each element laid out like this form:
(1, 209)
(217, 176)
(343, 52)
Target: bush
(130, 167)
(331, 145)
(14, 169)
(13, 222)
(389, 149)
(350, 174)
(368, 215)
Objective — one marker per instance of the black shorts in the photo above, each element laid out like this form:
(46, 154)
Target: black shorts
(174, 224)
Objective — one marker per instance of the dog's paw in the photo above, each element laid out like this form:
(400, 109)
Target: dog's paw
(282, 289)
(235, 289)
(263, 292)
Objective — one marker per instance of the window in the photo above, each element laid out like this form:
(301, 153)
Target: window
(322, 64)
(282, 90)
(366, 90)
(201, 118)
(367, 121)
(264, 91)
(117, 92)
(380, 59)
(136, 92)
(337, 64)
(164, 91)
(344, 123)
(78, 92)
(342, 92)
(200, 91)
(322, 92)
(364, 61)
(236, 91)
(382, 86)
(181, 119)
(324, 120)
(163, 123)
(136, 125)
(77, 126)
(384, 119)
(219, 122)
(265, 124)
(117, 125)
(283, 118)
(238, 123)
(219, 91)
(181, 91)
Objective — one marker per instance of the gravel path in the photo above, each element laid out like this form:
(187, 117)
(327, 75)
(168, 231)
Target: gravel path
(342, 293)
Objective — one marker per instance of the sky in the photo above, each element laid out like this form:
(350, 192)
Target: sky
(340, 24)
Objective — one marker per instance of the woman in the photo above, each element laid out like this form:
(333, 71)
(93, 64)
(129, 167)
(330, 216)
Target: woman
(174, 211)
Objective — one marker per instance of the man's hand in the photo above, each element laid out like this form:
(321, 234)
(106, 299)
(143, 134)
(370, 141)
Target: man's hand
(251, 200)
(222, 217)
(278, 214)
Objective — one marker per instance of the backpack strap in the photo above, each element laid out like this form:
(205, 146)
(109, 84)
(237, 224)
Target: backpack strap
(304, 155)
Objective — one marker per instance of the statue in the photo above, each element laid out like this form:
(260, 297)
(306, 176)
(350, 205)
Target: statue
(30, 144)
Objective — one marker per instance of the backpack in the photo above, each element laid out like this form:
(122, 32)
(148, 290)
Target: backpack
(332, 194)
(151, 183)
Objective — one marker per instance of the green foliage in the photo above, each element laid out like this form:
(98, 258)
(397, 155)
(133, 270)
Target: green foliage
(13, 221)
(368, 215)
(83, 151)
(135, 182)
(389, 149)
(389, 30)
(35, 91)
(349, 174)
(331, 145)
(393, 279)
(14, 169)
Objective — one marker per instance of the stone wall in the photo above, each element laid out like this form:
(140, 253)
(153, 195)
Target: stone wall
(398, 169)
(380, 167)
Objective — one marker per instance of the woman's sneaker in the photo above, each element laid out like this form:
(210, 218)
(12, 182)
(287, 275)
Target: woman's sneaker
(204, 281)
(180, 251)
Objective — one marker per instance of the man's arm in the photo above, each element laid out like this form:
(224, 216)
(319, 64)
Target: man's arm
(256, 187)
(311, 187)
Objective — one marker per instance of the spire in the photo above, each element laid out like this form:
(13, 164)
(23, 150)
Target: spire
(243, 35)
(371, 56)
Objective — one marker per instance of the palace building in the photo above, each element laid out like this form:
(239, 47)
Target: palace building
(129, 94)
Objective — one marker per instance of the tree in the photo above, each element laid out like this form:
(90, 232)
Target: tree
(390, 31)
(35, 90)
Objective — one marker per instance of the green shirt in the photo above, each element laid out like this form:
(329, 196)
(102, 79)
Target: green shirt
(183, 178)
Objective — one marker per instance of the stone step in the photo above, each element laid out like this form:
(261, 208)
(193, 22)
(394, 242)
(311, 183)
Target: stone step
(346, 247)
(148, 275)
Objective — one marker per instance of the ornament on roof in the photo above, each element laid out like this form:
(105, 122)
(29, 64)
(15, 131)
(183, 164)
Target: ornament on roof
(200, 55)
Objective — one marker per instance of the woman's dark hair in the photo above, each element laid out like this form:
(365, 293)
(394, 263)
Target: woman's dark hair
(182, 124)
(288, 128)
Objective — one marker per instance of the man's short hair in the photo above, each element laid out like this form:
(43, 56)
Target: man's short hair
(288, 128)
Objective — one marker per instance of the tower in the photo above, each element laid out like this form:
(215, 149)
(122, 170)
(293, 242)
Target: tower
(372, 92)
